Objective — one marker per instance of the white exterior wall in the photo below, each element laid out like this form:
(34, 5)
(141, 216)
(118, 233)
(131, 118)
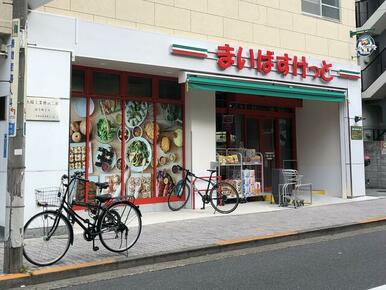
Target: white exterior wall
(56, 41)
(354, 155)
(318, 146)
(4, 91)
(200, 133)
(48, 74)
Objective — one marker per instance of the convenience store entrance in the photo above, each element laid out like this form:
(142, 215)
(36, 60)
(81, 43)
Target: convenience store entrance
(260, 135)
(258, 124)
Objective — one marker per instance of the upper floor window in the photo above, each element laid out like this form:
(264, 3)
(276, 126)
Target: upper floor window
(324, 8)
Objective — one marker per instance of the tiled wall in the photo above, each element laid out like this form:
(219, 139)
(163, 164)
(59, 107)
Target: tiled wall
(376, 172)
(270, 24)
(5, 16)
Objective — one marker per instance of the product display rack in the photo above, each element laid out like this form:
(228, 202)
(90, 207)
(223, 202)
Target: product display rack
(227, 170)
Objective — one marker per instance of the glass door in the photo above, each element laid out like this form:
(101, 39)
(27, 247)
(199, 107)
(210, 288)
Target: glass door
(252, 128)
(260, 135)
(287, 158)
(268, 149)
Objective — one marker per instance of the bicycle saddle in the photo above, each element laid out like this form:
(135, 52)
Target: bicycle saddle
(103, 197)
(211, 170)
(102, 185)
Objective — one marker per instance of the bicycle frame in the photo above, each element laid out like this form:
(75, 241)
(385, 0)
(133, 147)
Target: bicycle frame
(84, 223)
(209, 183)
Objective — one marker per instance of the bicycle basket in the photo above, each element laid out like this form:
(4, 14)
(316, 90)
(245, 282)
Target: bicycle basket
(48, 196)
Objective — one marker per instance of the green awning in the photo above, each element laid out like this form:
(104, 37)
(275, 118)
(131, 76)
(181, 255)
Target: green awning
(262, 89)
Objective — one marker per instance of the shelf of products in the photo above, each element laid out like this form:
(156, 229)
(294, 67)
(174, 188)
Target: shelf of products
(244, 169)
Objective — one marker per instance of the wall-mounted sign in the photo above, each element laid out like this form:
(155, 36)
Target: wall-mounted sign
(5, 143)
(365, 45)
(356, 132)
(263, 62)
(227, 122)
(42, 109)
(14, 77)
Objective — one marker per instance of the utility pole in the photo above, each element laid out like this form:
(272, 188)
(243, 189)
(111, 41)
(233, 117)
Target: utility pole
(13, 248)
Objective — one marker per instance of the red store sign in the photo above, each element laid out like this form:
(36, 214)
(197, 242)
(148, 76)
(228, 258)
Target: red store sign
(265, 62)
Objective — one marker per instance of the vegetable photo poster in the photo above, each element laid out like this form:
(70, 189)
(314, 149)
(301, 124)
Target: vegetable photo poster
(169, 146)
(144, 137)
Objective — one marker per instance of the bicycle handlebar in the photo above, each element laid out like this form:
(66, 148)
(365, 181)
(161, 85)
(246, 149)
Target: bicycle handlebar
(76, 175)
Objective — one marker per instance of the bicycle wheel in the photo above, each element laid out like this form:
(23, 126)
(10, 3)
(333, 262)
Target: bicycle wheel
(178, 196)
(224, 197)
(119, 226)
(47, 237)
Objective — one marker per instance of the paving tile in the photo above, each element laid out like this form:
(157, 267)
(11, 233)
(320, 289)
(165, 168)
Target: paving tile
(177, 235)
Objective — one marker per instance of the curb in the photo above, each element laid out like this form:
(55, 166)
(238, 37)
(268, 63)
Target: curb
(43, 275)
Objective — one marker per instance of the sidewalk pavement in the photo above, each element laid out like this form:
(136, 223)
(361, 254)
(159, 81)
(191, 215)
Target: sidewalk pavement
(210, 229)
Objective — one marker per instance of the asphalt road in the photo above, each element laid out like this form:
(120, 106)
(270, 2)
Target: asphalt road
(354, 260)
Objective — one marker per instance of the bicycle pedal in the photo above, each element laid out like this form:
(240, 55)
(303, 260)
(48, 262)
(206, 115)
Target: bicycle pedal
(95, 248)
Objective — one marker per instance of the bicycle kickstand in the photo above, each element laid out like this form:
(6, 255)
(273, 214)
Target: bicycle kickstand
(94, 248)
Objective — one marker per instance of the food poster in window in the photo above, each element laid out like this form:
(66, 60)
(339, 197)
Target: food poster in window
(169, 144)
(78, 150)
(106, 141)
(139, 155)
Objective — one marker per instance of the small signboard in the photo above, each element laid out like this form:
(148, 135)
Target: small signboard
(42, 109)
(356, 132)
(227, 121)
(14, 69)
(5, 149)
(365, 45)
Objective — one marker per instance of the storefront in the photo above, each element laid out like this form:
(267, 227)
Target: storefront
(149, 109)
(182, 101)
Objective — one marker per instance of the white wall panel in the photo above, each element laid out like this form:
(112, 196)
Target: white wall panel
(47, 142)
(48, 73)
(318, 145)
(200, 131)
(34, 180)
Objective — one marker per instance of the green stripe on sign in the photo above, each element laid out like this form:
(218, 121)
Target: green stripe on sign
(189, 47)
(263, 89)
(349, 72)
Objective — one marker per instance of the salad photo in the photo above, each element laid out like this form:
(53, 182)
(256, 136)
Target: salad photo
(171, 112)
(135, 113)
(106, 130)
(138, 154)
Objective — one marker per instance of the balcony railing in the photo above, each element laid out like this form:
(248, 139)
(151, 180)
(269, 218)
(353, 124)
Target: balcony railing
(373, 70)
(364, 9)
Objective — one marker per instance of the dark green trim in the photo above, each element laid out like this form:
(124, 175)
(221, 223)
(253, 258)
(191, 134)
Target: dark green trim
(189, 47)
(349, 72)
(245, 87)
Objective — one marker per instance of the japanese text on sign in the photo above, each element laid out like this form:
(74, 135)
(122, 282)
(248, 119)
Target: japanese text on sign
(265, 62)
(14, 78)
(42, 109)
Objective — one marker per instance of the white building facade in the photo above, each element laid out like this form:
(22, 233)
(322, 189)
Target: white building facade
(171, 93)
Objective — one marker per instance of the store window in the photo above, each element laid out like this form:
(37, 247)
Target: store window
(105, 83)
(169, 90)
(138, 86)
(130, 141)
(77, 81)
(324, 8)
